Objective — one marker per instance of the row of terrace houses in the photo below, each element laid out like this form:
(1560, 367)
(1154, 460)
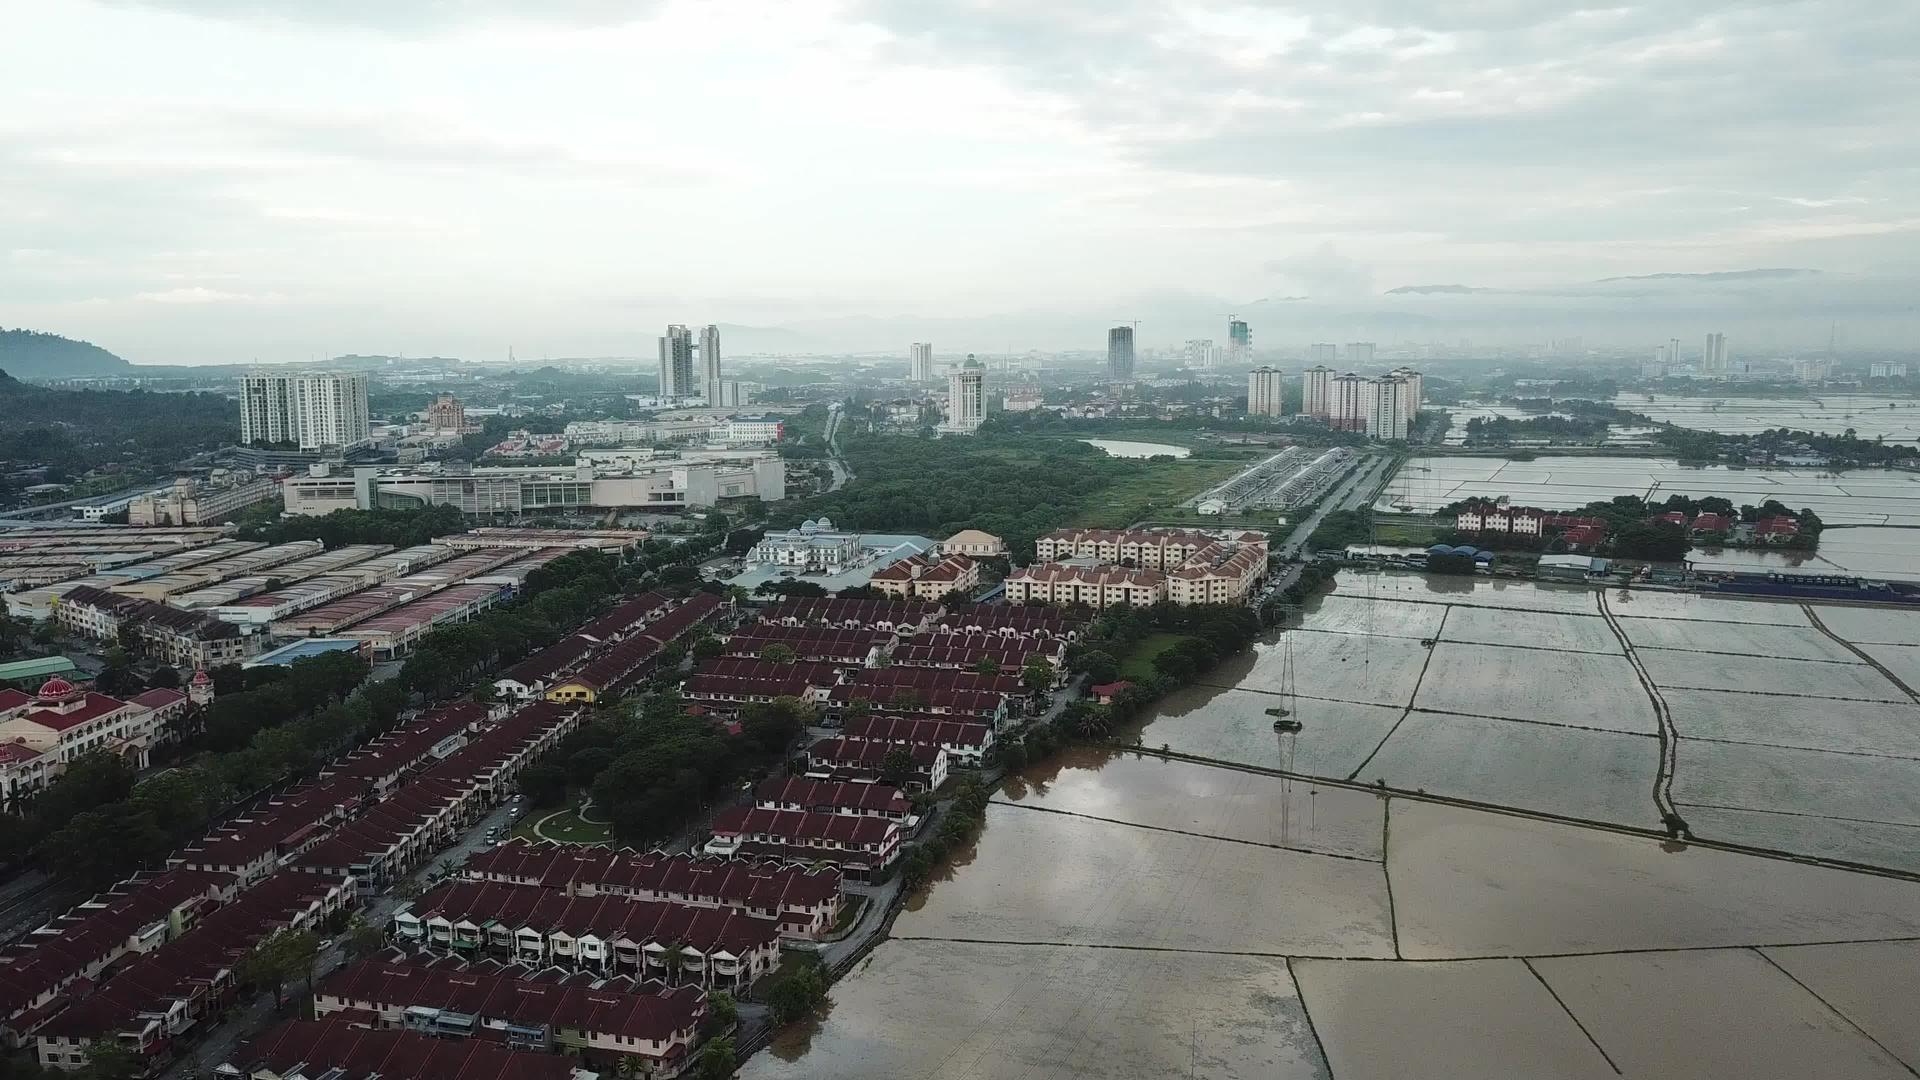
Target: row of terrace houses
(612, 935)
(805, 902)
(618, 1025)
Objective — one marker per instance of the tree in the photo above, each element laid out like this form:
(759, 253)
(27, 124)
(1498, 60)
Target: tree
(798, 989)
(362, 938)
(896, 766)
(777, 654)
(109, 1059)
(164, 678)
(708, 647)
(284, 956)
(722, 1011)
(1100, 667)
(544, 783)
(986, 666)
(716, 1060)
(1037, 676)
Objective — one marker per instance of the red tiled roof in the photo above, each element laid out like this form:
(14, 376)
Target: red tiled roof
(813, 794)
(358, 1052)
(865, 754)
(607, 917)
(795, 827)
(157, 698)
(653, 1015)
(93, 707)
(900, 730)
(728, 882)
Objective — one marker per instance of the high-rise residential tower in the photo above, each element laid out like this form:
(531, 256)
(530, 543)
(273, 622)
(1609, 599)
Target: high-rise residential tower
(1239, 343)
(1350, 402)
(1316, 391)
(1265, 396)
(921, 355)
(1713, 361)
(676, 363)
(1120, 353)
(313, 410)
(1202, 355)
(966, 398)
(1324, 352)
(710, 365)
(1415, 393)
(1359, 354)
(1387, 415)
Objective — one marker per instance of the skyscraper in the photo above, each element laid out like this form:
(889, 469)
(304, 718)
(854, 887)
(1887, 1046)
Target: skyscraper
(1264, 394)
(676, 363)
(1359, 354)
(1239, 343)
(1201, 354)
(966, 398)
(313, 410)
(1673, 351)
(1324, 352)
(1120, 353)
(1713, 361)
(1316, 389)
(710, 365)
(920, 353)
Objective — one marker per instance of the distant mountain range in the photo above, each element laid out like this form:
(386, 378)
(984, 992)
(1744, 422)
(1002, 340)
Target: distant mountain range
(29, 354)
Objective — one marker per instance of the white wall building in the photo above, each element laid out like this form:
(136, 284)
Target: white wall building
(920, 354)
(313, 410)
(815, 544)
(1388, 416)
(966, 398)
(1359, 353)
(1264, 392)
(1350, 402)
(1202, 354)
(1324, 353)
(1316, 390)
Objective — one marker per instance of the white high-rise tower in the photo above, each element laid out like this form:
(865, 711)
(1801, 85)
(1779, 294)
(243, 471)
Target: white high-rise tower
(966, 398)
(676, 363)
(1265, 396)
(920, 353)
(710, 364)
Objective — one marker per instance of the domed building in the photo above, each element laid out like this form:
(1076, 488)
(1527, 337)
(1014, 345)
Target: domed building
(41, 734)
(816, 546)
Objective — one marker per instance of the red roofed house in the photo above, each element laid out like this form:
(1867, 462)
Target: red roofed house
(1776, 530)
(1106, 692)
(1710, 523)
(1584, 536)
(836, 797)
(1671, 517)
(309, 1048)
(928, 577)
(862, 846)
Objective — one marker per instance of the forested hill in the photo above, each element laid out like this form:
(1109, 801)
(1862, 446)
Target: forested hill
(29, 354)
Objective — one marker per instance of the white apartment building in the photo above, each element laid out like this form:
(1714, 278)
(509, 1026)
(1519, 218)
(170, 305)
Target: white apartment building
(1359, 353)
(1884, 369)
(1388, 415)
(1324, 353)
(966, 398)
(1182, 565)
(1202, 354)
(1350, 402)
(920, 356)
(311, 410)
(1713, 359)
(1316, 389)
(1264, 392)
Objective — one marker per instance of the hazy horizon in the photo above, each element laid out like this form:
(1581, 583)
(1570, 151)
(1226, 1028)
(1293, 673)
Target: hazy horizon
(225, 181)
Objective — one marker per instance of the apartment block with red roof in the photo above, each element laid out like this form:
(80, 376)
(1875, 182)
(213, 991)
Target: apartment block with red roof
(928, 577)
(862, 847)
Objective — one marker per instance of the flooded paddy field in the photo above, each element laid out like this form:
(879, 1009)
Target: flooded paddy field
(1768, 675)
(1468, 592)
(1862, 625)
(1590, 690)
(962, 1011)
(1230, 725)
(1372, 669)
(1901, 661)
(1698, 607)
(1052, 878)
(1885, 728)
(1893, 419)
(1671, 1015)
(1470, 1020)
(1857, 497)
(1136, 789)
(1569, 772)
(1860, 550)
(1507, 947)
(1530, 629)
(1735, 639)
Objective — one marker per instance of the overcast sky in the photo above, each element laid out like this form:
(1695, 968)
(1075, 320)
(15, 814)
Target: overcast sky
(219, 180)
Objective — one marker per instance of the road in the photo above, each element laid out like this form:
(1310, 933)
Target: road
(1361, 487)
(841, 474)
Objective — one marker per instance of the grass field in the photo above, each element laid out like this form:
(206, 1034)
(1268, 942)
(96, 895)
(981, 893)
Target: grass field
(1414, 535)
(1138, 664)
(1161, 486)
(565, 826)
